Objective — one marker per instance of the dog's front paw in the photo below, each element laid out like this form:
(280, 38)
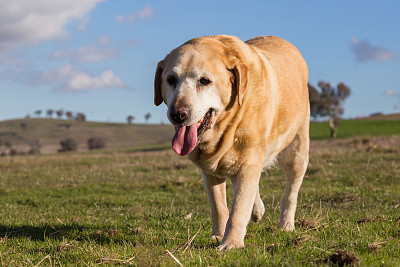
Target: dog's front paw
(287, 226)
(229, 244)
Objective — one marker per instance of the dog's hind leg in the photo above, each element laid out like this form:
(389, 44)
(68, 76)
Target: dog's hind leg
(293, 160)
(258, 208)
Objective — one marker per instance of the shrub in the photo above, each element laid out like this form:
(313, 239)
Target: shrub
(13, 152)
(96, 143)
(68, 144)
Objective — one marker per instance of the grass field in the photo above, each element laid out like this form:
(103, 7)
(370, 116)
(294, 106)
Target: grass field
(121, 207)
(351, 128)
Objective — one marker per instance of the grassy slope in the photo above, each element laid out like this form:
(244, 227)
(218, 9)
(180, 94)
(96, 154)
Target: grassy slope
(114, 208)
(51, 132)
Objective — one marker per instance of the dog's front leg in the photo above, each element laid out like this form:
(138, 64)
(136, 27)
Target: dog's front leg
(245, 186)
(216, 190)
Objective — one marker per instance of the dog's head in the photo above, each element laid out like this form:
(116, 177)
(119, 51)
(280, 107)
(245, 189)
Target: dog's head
(199, 81)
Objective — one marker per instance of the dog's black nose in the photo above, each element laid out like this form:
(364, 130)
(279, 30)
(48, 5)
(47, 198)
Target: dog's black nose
(179, 114)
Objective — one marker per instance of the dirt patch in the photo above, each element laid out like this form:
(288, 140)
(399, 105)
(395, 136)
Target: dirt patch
(342, 258)
(104, 234)
(301, 239)
(309, 224)
(343, 197)
(375, 246)
(370, 219)
(64, 246)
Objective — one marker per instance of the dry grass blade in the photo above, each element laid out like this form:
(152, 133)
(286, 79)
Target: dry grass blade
(64, 246)
(180, 264)
(398, 220)
(47, 257)
(189, 242)
(375, 246)
(108, 260)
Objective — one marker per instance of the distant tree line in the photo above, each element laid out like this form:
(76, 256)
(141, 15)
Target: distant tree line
(131, 118)
(69, 115)
(78, 116)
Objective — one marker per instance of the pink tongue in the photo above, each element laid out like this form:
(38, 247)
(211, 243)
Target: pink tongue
(185, 139)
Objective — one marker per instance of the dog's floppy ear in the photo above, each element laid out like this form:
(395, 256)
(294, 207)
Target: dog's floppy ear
(240, 74)
(157, 84)
(237, 63)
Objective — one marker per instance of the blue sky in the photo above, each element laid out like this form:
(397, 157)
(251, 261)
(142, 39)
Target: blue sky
(98, 57)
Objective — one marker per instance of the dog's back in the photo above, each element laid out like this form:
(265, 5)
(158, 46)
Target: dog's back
(282, 54)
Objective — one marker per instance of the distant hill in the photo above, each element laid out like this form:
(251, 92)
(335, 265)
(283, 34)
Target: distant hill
(389, 117)
(21, 132)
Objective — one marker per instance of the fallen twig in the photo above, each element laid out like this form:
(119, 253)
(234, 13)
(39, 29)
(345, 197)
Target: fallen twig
(105, 260)
(189, 242)
(180, 264)
(47, 257)
(398, 220)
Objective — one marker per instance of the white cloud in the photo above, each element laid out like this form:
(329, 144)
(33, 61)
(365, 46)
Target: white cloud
(86, 54)
(25, 22)
(59, 74)
(85, 82)
(389, 93)
(69, 79)
(131, 42)
(83, 23)
(105, 40)
(146, 13)
(128, 18)
(365, 51)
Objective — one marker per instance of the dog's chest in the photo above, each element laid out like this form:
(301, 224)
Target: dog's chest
(221, 166)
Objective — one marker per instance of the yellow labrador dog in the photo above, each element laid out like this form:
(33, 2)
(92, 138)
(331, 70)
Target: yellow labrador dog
(238, 109)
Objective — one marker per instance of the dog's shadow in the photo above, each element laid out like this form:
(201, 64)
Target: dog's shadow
(64, 232)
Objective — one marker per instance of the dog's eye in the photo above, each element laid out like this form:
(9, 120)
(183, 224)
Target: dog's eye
(204, 81)
(172, 80)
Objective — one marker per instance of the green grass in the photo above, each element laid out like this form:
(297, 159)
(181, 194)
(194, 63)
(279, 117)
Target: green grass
(351, 128)
(120, 208)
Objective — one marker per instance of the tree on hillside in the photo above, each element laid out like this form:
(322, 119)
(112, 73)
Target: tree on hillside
(38, 112)
(147, 117)
(69, 115)
(49, 113)
(130, 119)
(60, 113)
(315, 101)
(328, 102)
(80, 117)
